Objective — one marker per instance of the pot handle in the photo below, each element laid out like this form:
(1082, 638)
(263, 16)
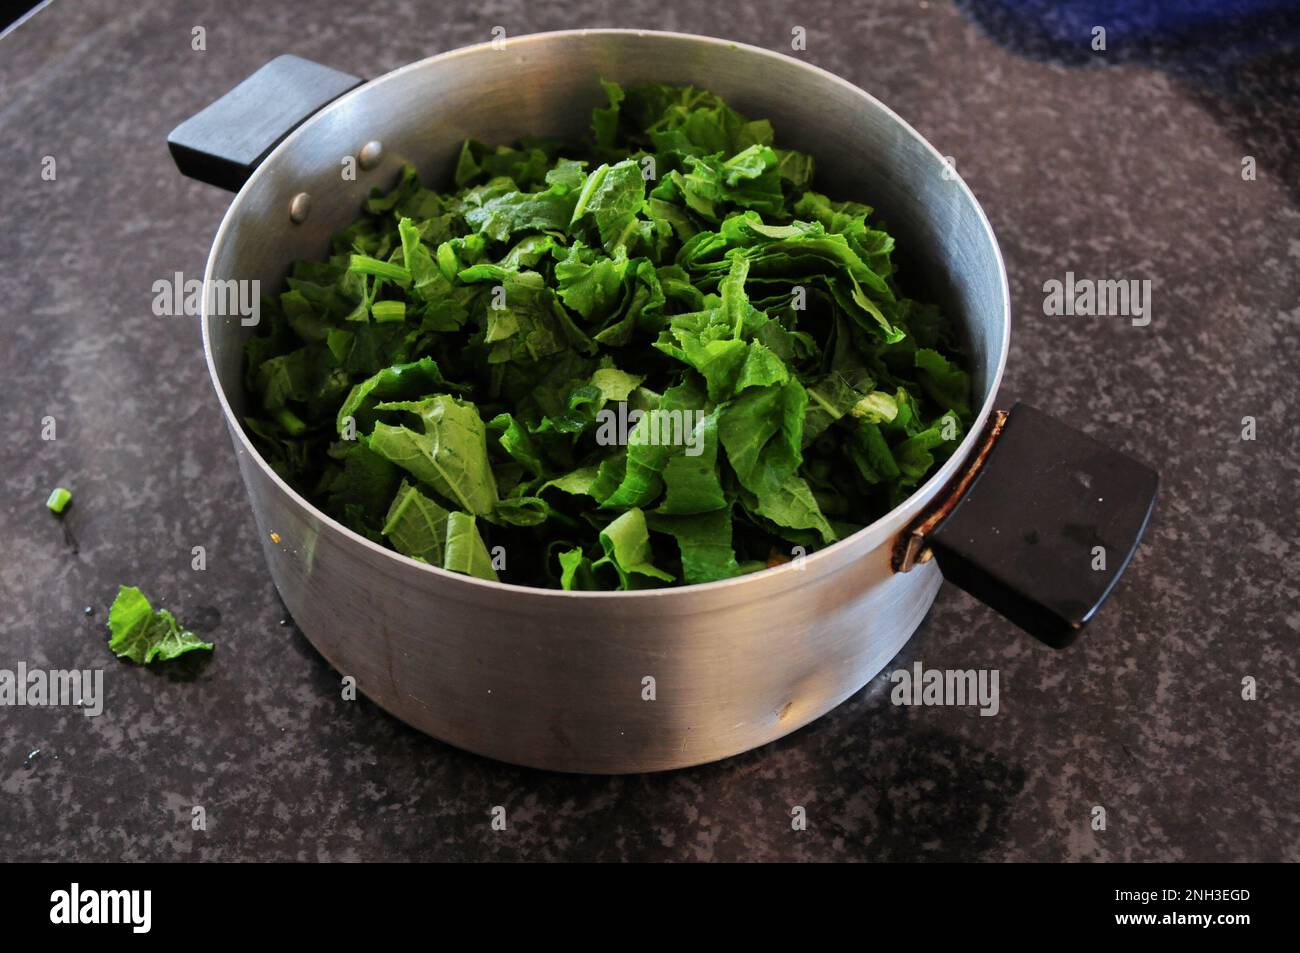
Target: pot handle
(1041, 525)
(223, 143)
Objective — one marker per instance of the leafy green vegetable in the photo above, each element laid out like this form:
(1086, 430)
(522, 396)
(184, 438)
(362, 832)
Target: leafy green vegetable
(652, 357)
(417, 526)
(141, 634)
(626, 542)
(59, 499)
(465, 550)
(450, 455)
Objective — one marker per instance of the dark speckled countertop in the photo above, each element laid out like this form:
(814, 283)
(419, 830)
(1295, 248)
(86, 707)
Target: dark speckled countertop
(1124, 164)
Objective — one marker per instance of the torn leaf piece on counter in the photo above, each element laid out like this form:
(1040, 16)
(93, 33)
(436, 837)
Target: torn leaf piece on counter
(141, 634)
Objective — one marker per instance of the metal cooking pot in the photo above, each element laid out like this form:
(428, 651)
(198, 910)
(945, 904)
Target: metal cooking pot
(557, 679)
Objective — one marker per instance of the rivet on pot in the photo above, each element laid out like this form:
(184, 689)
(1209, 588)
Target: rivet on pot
(370, 154)
(299, 207)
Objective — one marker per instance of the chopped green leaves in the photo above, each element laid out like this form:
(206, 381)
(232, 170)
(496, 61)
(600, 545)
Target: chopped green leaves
(653, 357)
(449, 452)
(141, 634)
(58, 500)
(466, 552)
(416, 525)
(626, 543)
(946, 383)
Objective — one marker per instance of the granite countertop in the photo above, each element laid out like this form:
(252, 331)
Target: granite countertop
(1124, 164)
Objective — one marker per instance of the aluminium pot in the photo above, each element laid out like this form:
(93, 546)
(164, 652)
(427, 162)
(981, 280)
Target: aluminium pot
(555, 679)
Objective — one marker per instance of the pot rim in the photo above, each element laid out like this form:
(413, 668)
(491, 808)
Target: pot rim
(900, 515)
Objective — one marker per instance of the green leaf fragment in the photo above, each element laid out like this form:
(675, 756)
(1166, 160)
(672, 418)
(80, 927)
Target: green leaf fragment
(626, 543)
(465, 552)
(140, 634)
(416, 525)
(449, 453)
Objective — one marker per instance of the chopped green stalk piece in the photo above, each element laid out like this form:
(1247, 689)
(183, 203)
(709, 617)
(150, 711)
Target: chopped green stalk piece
(140, 634)
(58, 500)
(290, 421)
(365, 265)
(384, 311)
(657, 356)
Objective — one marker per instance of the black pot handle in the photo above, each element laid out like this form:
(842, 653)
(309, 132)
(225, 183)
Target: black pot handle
(1040, 526)
(225, 142)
